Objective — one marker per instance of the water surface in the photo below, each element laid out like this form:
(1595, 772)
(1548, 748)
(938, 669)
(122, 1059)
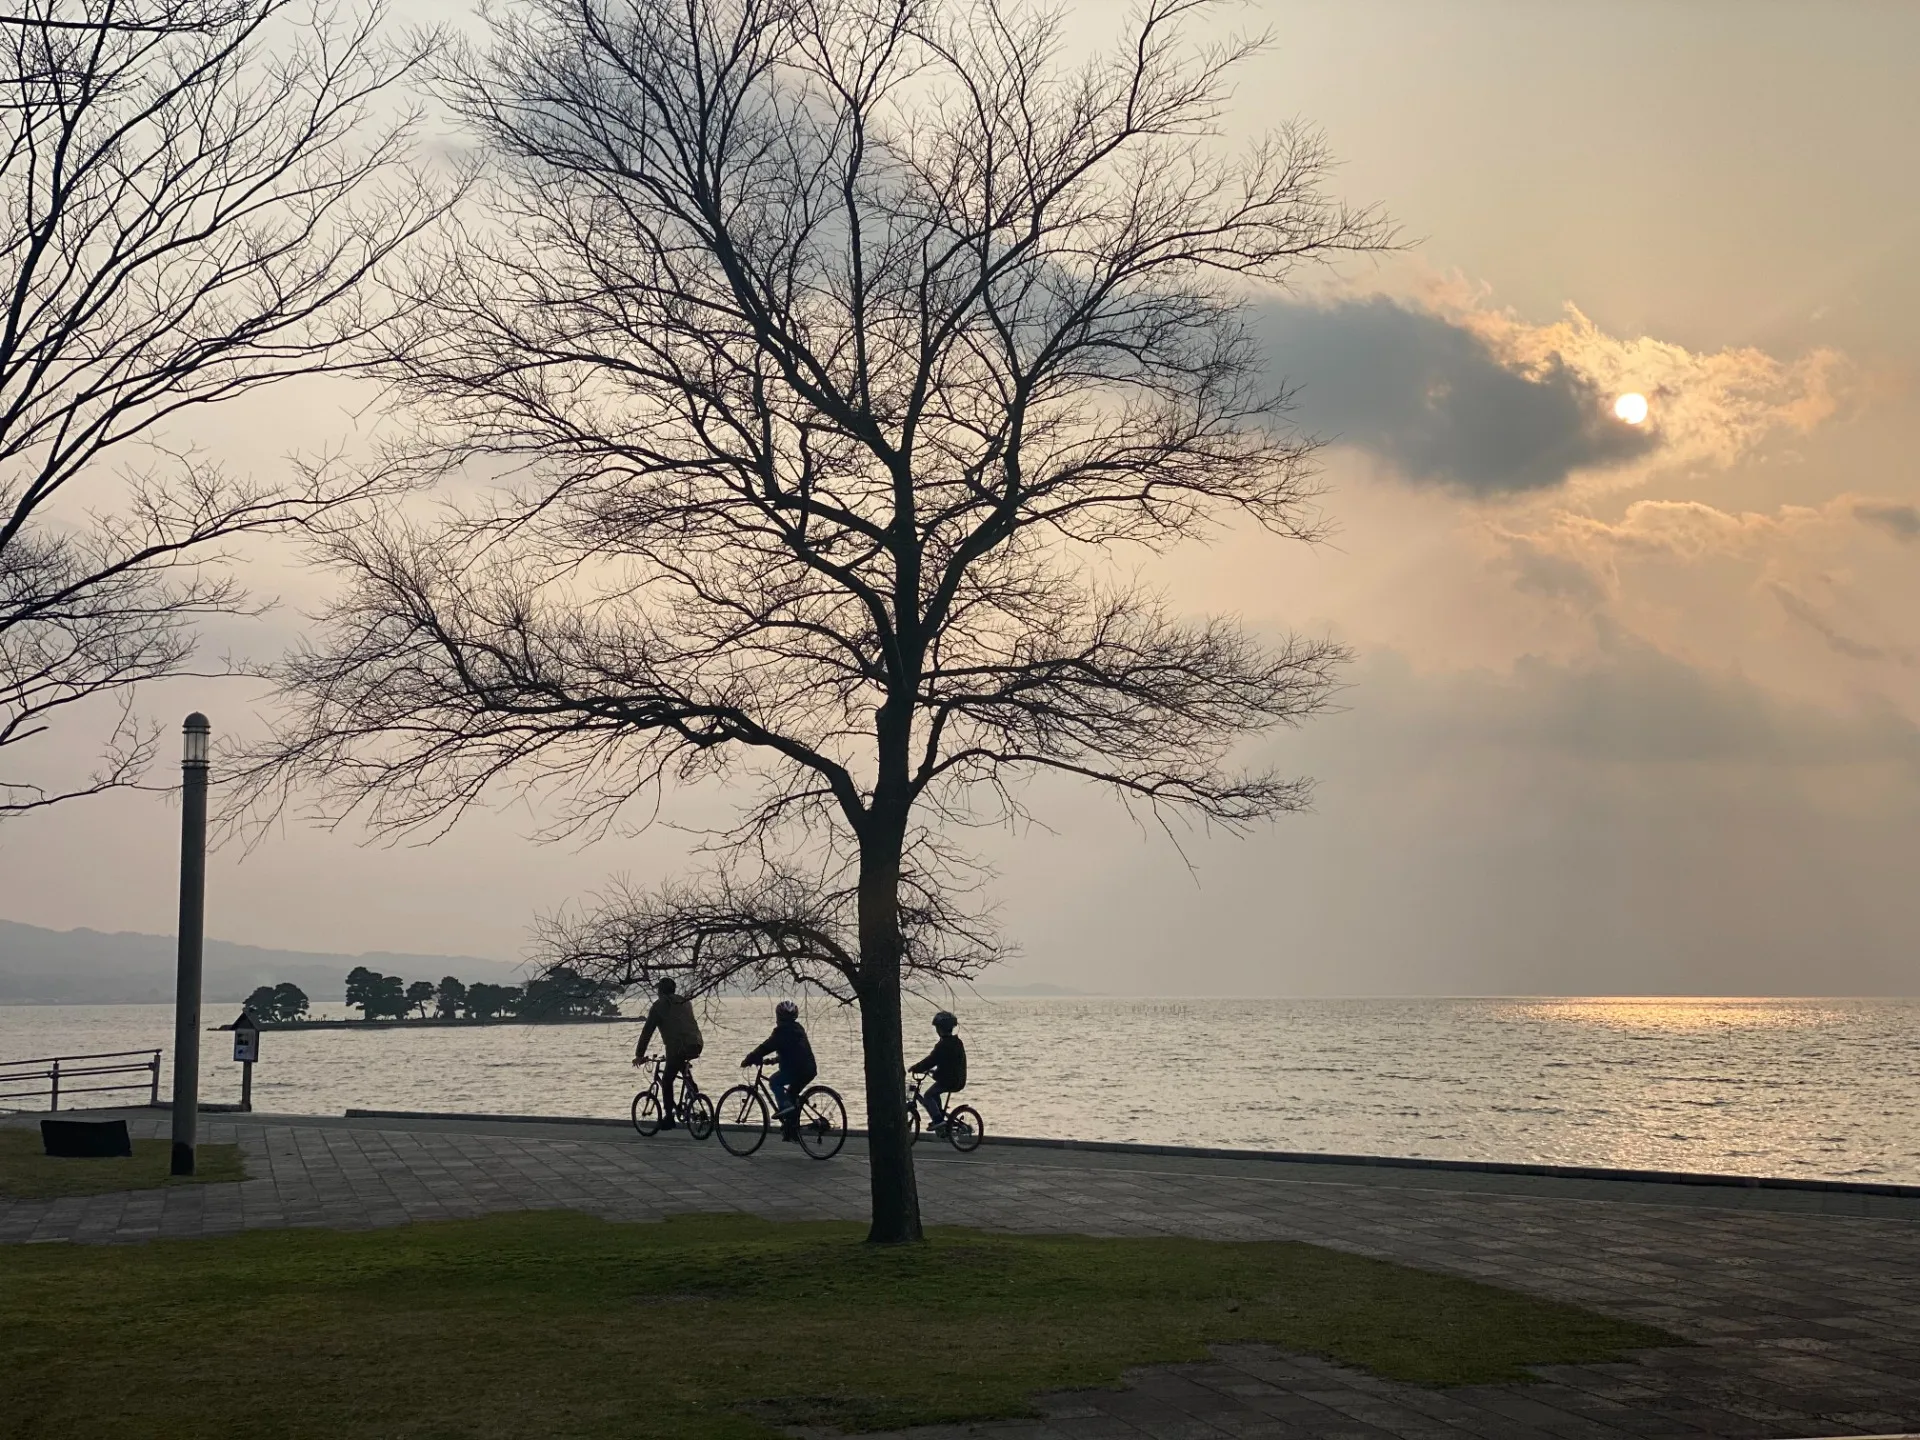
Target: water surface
(1754, 1086)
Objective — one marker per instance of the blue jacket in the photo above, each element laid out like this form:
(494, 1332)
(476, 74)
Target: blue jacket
(789, 1042)
(948, 1062)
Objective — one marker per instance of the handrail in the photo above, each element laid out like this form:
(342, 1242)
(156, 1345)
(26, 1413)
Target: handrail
(98, 1055)
(14, 1072)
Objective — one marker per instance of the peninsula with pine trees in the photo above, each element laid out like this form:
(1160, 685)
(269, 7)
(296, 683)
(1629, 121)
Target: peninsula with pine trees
(558, 996)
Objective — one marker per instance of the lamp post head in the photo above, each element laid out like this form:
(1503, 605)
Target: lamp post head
(196, 732)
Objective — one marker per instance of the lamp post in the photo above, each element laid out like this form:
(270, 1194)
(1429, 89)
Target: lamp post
(193, 907)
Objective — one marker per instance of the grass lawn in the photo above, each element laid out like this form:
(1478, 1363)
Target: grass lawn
(28, 1173)
(557, 1324)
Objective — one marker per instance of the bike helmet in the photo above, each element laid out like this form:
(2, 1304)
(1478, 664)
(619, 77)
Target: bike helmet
(786, 1010)
(944, 1020)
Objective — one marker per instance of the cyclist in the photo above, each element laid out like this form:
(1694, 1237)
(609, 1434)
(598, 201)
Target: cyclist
(796, 1070)
(947, 1062)
(672, 1015)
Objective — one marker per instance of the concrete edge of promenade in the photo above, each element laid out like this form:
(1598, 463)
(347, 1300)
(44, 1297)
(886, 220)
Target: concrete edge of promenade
(1285, 1157)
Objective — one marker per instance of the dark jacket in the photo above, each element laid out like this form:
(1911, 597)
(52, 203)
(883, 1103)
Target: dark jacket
(948, 1062)
(673, 1017)
(789, 1042)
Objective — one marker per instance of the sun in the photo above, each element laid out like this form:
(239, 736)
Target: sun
(1632, 408)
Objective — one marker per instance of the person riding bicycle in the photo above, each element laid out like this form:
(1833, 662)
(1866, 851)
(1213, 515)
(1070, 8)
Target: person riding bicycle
(672, 1015)
(948, 1065)
(789, 1044)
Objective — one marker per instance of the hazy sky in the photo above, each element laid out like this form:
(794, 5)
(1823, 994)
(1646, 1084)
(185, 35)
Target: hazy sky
(1634, 710)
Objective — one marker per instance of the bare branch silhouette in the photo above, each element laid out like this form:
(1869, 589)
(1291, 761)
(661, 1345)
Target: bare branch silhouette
(772, 928)
(195, 199)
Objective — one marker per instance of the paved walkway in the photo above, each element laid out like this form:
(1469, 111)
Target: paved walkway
(1805, 1307)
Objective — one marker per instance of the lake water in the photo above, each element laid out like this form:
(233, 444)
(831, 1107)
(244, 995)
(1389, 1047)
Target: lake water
(1782, 1087)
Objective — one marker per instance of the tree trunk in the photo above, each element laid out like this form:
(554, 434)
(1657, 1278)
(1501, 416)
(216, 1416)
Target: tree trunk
(895, 1192)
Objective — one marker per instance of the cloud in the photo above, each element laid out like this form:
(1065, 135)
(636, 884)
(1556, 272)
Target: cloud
(1620, 823)
(1803, 610)
(1684, 529)
(1694, 579)
(1577, 559)
(1538, 570)
(1630, 703)
(1713, 408)
(1900, 521)
(1434, 400)
(1451, 393)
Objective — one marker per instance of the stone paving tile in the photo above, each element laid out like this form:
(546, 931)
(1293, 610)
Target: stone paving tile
(1802, 1306)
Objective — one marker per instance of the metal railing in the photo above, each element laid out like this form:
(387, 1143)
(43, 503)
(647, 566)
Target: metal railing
(60, 1071)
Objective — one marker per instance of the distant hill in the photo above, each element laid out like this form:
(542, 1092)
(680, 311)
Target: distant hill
(90, 967)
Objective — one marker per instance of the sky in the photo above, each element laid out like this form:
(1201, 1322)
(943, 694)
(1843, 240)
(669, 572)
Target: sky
(1633, 710)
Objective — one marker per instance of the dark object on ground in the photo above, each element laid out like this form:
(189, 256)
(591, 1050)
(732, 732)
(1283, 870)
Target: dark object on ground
(86, 1139)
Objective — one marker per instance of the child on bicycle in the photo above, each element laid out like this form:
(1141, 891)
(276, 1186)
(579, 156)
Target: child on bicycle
(947, 1063)
(789, 1044)
(672, 1015)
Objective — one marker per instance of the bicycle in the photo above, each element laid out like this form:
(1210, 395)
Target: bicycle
(963, 1129)
(649, 1108)
(744, 1115)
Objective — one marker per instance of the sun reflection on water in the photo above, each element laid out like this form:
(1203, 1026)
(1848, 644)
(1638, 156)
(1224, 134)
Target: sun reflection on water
(1671, 1014)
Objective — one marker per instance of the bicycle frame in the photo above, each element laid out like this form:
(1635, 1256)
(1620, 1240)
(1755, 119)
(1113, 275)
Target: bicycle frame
(964, 1137)
(914, 1102)
(687, 1109)
(657, 1070)
(656, 1067)
(763, 1087)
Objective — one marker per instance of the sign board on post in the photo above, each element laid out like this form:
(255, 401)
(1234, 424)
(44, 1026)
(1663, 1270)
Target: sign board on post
(246, 1050)
(246, 1038)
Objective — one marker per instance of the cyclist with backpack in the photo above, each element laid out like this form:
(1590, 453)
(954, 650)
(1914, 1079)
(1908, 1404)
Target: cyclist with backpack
(947, 1063)
(672, 1015)
(790, 1046)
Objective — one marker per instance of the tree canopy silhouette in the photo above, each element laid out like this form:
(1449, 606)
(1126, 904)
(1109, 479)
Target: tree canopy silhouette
(833, 356)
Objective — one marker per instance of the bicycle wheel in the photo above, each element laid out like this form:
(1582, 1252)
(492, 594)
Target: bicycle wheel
(700, 1116)
(913, 1122)
(964, 1129)
(742, 1117)
(686, 1098)
(823, 1122)
(646, 1111)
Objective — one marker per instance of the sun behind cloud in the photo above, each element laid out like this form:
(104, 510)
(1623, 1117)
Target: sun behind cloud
(1632, 408)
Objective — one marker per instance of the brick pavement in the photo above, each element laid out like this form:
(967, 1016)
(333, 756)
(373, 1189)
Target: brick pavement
(1805, 1307)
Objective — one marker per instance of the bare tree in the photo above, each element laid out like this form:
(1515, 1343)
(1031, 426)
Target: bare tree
(838, 348)
(194, 197)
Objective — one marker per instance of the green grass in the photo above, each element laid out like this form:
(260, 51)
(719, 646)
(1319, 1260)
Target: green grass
(716, 1327)
(28, 1173)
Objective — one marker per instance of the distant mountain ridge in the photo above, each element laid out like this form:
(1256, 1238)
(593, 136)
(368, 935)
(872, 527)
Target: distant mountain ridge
(92, 967)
